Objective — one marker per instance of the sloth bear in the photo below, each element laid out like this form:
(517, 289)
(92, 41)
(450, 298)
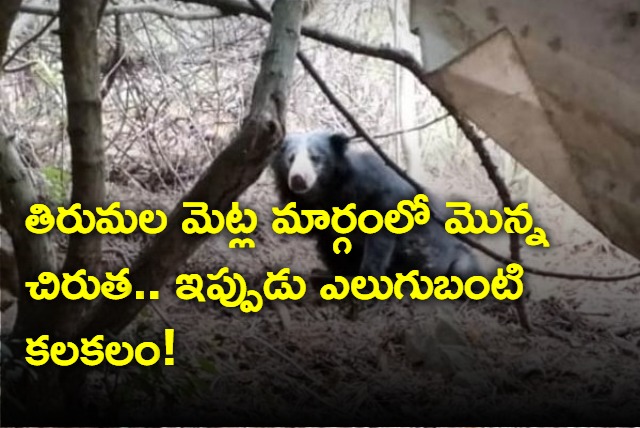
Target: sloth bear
(318, 170)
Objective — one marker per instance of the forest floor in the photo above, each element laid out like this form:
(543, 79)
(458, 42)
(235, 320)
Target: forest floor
(307, 356)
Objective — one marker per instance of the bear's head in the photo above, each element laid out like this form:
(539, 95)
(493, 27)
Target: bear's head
(312, 161)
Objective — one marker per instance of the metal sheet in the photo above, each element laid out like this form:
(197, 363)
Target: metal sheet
(557, 86)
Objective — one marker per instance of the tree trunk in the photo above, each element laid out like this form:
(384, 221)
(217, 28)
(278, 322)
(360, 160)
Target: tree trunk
(8, 12)
(406, 94)
(33, 252)
(61, 318)
(78, 37)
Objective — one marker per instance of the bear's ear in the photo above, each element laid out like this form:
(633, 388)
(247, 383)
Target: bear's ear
(339, 141)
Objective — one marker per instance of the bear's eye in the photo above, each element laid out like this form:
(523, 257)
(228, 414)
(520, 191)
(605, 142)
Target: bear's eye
(315, 158)
(291, 158)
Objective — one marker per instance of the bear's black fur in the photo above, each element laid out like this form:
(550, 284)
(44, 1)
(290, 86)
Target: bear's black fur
(332, 174)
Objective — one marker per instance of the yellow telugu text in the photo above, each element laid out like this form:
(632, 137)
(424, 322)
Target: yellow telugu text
(233, 221)
(519, 221)
(42, 221)
(407, 214)
(80, 286)
(423, 287)
(399, 221)
(93, 352)
(231, 288)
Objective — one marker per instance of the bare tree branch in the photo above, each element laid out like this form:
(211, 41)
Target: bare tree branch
(235, 169)
(20, 67)
(30, 40)
(401, 57)
(412, 129)
(114, 63)
(103, 5)
(134, 9)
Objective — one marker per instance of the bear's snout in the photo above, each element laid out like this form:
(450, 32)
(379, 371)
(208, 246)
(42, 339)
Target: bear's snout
(302, 172)
(298, 184)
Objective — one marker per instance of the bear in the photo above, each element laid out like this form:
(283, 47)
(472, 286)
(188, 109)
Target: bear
(321, 170)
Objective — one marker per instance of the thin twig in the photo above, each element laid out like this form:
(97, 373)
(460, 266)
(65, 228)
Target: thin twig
(360, 131)
(133, 9)
(20, 67)
(30, 40)
(103, 6)
(407, 130)
(115, 62)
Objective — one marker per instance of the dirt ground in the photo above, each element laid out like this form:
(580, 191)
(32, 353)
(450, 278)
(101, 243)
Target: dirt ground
(396, 356)
(307, 359)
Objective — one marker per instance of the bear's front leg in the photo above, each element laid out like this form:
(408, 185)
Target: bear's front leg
(378, 253)
(376, 258)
